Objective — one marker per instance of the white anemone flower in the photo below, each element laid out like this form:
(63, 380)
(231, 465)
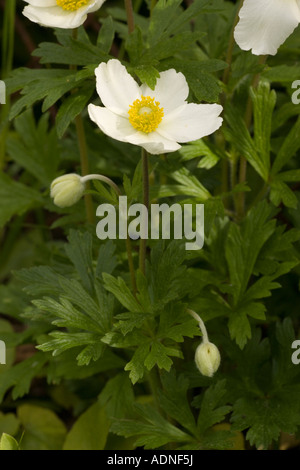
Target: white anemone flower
(265, 24)
(66, 14)
(153, 119)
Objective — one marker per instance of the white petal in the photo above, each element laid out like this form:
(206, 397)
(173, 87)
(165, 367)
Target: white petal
(119, 128)
(153, 142)
(57, 17)
(171, 90)
(98, 4)
(42, 3)
(116, 87)
(265, 25)
(111, 124)
(191, 122)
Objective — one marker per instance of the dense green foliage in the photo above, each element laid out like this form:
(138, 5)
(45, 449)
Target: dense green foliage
(108, 369)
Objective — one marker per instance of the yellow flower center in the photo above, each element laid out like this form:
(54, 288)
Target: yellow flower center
(145, 114)
(71, 5)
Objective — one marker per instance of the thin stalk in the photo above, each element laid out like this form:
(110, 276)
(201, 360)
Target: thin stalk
(225, 79)
(129, 14)
(152, 6)
(201, 325)
(229, 53)
(7, 52)
(84, 163)
(143, 241)
(104, 179)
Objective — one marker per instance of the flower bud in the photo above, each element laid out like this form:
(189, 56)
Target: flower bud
(66, 190)
(207, 358)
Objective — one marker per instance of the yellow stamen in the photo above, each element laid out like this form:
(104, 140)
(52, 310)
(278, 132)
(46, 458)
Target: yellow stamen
(71, 5)
(145, 114)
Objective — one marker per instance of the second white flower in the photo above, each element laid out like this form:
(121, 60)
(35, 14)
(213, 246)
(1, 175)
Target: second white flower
(157, 120)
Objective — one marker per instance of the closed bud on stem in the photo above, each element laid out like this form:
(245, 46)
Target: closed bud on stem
(207, 355)
(207, 358)
(66, 190)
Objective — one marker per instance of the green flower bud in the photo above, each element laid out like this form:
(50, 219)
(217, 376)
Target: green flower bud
(207, 358)
(66, 190)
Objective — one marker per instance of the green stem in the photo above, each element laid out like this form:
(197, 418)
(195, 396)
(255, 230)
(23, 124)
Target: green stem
(201, 325)
(225, 79)
(84, 163)
(229, 54)
(7, 52)
(152, 6)
(143, 241)
(130, 17)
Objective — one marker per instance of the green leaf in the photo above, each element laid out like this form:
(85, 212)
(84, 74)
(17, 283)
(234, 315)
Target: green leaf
(288, 149)
(163, 15)
(34, 147)
(239, 328)
(106, 34)
(90, 430)
(120, 290)
(200, 148)
(136, 365)
(8, 442)
(64, 341)
(159, 355)
(43, 430)
(166, 272)
(20, 376)
(280, 192)
(241, 139)
(173, 400)
(244, 244)
(263, 105)
(74, 52)
(9, 424)
(107, 259)
(67, 316)
(212, 406)
(118, 386)
(16, 198)
(79, 250)
(152, 430)
(72, 107)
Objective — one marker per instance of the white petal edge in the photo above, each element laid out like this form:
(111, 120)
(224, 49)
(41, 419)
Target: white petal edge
(191, 122)
(116, 87)
(119, 128)
(265, 25)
